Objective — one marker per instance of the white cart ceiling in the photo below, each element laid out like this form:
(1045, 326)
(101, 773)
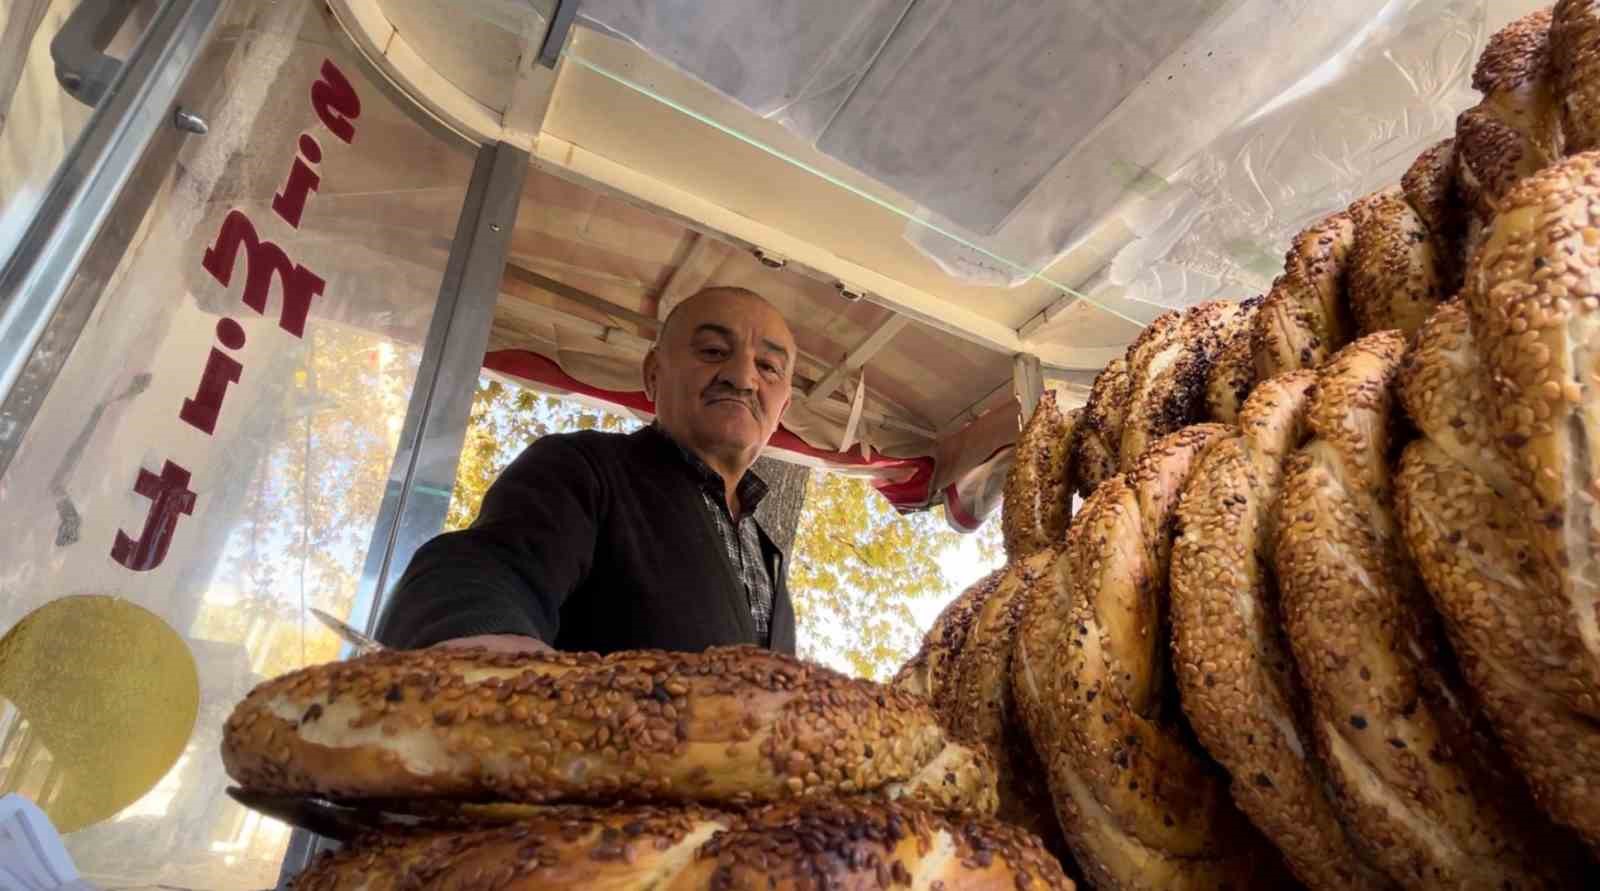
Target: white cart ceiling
(1020, 177)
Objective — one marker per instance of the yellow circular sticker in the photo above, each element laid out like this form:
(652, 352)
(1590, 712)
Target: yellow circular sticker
(106, 695)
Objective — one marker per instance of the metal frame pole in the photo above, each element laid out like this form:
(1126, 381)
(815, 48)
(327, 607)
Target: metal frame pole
(41, 312)
(417, 497)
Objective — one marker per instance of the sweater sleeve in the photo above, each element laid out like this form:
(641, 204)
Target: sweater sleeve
(531, 546)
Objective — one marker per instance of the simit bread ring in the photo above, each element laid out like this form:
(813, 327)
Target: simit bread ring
(1038, 499)
(980, 704)
(1516, 129)
(1304, 318)
(1394, 279)
(1099, 435)
(1168, 377)
(1140, 804)
(1414, 775)
(1234, 372)
(1575, 48)
(1233, 666)
(825, 844)
(734, 724)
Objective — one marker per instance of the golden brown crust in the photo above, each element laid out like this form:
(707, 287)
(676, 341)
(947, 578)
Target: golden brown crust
(1415, 777)
(1233, 374)
(1470, 545)
(844, 845)
(961, 778)
(565, 847)
(1169, 375)
(1099, 433)
(1497, 563)
(1038, 496)
(1140, 805)
(1535, 311)
(1430, 188)
(734, 724)
(1517, 56)
(824, 844)
(1516, 129)
(931, 671)
(1231, 660)
(1394, 280)
(1304, 318)
(1575, 49)
(981, 706)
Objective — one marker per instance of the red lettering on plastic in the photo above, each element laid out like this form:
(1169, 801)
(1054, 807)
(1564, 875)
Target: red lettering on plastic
(290, 202)
(201, 411)
(336, 102)
(170, 499)
(263, 260)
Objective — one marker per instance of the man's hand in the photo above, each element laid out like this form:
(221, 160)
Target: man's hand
(498, 643)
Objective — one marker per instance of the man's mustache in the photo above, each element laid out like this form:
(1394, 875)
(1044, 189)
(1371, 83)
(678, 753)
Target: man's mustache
(718, 392)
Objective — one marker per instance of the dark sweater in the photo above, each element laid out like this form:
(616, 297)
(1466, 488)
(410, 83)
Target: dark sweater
(587, 541)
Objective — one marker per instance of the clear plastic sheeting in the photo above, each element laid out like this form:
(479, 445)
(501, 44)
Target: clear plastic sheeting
(213, 466)
(1193, 138)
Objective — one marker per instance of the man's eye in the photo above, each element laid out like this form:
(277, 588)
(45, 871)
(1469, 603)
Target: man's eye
(712, 353)
(769, 368)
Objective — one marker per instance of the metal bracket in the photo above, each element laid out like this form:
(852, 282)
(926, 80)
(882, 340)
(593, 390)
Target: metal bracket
(82, 67)
(1027, 381)
(556, 37)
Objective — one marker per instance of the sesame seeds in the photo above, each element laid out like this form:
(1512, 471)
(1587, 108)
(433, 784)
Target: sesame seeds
(588, 727)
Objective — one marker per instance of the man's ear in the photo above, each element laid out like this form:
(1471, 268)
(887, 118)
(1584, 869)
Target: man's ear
(652, 367)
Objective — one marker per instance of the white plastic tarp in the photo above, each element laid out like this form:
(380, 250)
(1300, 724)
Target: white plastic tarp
(1209, 130)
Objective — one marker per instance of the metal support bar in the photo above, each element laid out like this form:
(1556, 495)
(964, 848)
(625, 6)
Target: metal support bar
(1027, 383)
(1046, 316)
(43, 303)
(703, 259)
(578, 296)
(422, 478)
(424, 473)
(556, 37)
(857, 358)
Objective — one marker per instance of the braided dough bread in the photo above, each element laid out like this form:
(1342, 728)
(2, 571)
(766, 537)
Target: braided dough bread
(1575, 47)
(1038, 498)
(1304, 317)
(1492, 548)
(931, 672)
(960, 779)
(1431, 188)
(1233, 374)
(980, 706)
(1168, 377)
(1140, 804)
(1232, 662)
(734, 724)
(1413, 774)
(1535, 310)
(826, 844)
(1394, 278)
(1516, 129)
(1098, 438)
(964, 670)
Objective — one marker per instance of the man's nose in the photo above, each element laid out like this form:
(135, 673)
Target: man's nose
(741, 372)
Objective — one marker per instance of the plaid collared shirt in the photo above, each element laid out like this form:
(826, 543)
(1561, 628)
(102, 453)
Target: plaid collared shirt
(739, 537)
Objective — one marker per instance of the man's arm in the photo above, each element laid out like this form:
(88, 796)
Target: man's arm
(531, 546)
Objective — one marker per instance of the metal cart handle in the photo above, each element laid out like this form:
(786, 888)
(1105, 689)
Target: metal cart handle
(82, 67)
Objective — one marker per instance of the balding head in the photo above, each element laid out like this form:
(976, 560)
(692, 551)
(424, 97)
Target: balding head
(719, 375)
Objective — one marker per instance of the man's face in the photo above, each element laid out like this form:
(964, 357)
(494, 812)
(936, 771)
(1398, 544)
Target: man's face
(720, 375)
